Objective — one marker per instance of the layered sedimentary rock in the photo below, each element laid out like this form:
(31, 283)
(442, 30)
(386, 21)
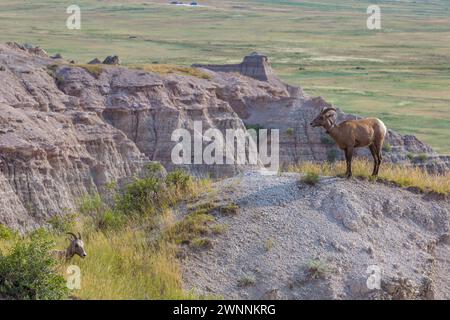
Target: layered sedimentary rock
(66, 130)
(255, 66)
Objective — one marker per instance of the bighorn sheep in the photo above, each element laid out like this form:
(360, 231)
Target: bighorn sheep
(350, 134)
(76, 246)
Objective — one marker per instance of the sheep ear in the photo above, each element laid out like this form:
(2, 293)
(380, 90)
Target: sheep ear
(79, 235)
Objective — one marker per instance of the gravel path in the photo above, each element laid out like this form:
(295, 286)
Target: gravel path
(289, 240)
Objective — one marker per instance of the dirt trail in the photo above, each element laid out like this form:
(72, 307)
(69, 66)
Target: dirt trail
(289, 240)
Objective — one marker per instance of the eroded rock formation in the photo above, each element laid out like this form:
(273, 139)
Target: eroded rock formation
(67, 129)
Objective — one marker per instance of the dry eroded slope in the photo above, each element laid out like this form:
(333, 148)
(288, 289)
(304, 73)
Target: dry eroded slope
(282, 225)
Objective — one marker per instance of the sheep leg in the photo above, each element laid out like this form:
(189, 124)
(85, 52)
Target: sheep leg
(378, 149)
(348, 158)
(376, 162)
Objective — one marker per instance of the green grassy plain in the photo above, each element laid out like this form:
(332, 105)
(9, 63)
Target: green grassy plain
(400, 73)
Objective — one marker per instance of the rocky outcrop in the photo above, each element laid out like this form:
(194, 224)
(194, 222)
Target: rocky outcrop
(51, 151)
(114, 60)
(254, 65)
(67, 129)
(338, 239)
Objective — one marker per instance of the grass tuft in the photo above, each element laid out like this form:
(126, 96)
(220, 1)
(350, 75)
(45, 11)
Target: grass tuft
(229, 209)
(94, 69)
(171, 69)
(247, 281)
(310, 178)
(317, 269)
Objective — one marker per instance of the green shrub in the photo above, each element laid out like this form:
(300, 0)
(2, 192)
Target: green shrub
(29, 271)
(62, 224)
(387, 147)
(318, 269)
(111, 220)
(140, 195)
(201, 243)
(311, 178)
(410, 155)
(422, 157)
(154, 169)
(92, 205)
(193, 226)
(7, 233)
(179, 179)
(290, 131)
(247, 281)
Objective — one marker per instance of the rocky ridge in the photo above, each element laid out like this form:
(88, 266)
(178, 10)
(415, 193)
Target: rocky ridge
(68, 129)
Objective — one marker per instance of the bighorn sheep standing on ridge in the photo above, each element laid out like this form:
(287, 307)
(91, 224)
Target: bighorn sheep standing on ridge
(76, 246)
(350, 134)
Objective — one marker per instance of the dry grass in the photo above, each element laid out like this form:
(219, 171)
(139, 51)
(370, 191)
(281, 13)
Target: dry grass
(94, 69)
(122, 265)
(404, 176)
(172, 69)
(138, 261)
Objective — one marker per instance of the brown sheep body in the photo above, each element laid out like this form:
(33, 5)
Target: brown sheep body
(351, 134)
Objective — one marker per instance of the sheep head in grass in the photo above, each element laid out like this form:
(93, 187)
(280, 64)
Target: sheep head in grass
(76, 246)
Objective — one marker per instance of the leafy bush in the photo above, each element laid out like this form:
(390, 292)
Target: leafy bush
(318, 269)
(140, 195)
(422, 157)
(190, 228)
(110, 220)
(63, 224)
(7, 233)
(201, 243)
(290, 131)
(92, 205)
(29, 272)
(247, 281)
(179, 179)
(154, 169)
(387, 147)
(311, 178)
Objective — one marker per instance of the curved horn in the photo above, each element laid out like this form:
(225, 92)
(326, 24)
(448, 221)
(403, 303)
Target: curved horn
(325, 110)
(79, 235)
(73, 235)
